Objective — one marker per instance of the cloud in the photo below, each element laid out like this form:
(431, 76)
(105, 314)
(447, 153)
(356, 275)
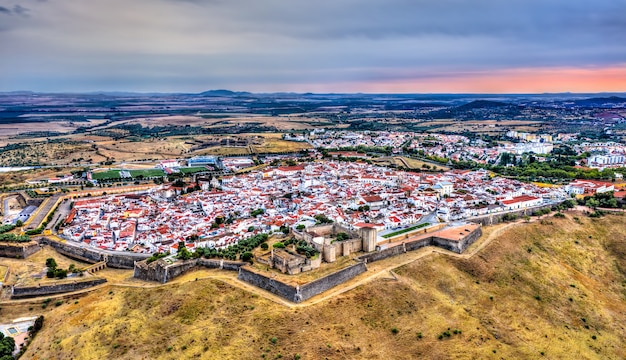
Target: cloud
(285, 43)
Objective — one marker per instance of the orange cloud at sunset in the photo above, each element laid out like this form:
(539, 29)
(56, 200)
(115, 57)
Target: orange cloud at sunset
(542, 80)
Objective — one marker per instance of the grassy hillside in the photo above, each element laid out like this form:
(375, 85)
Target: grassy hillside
(552, 290)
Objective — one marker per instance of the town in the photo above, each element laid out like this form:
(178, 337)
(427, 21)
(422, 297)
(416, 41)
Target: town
(355, 195)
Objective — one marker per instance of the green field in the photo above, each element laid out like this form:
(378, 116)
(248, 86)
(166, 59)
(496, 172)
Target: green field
(192, 170)
(106, 175)
(147, 173)
(115, 174)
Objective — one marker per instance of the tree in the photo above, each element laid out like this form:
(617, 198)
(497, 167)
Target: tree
(592, 203)
(279, 245)
(300, 227)
(51, 263)
(7, 347)
(342, 236)
(60, 273)
(19, 223)
(183, 252)
(246, 256)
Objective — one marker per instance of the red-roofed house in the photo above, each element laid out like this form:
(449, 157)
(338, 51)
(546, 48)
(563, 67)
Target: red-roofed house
(520, 202)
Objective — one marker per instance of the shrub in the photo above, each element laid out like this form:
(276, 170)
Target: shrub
(273, 340)
(278, 245)
(394, 330)
(60, 273)
(246, 256)
(264, 246)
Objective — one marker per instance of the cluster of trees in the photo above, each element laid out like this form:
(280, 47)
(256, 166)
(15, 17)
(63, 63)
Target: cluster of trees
(302, 247)
(559, 165)
(156, 256)
(7, 347)
(387, 150)
(55, 272)
(322, 219)
(8, 227)
(606, 200)
(183, 253)
(257, 212)
(220, 220)
(234, 251)
(14, 238)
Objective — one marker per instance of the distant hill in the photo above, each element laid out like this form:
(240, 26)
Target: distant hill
(223, 92)
(483, 104)
(601, 101)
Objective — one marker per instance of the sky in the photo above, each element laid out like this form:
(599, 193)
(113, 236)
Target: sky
(370, 46)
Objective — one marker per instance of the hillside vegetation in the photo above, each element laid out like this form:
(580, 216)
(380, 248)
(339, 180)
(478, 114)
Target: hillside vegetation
(554, 290)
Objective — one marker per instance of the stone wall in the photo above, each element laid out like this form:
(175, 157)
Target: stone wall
(382, 254)
(163, 272)
(320, 285)
(455, 246)
(18, 250)
(124, 260)
(117, 260)
(46, 290)
(272, 285)
(492, 219)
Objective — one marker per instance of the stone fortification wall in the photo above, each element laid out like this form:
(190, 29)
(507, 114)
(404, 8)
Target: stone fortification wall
(163, 272)
(382, 254)
(434, 240)
(86, 254)
(320, 285)
(266, 283)
(300, 293)
(18, 250)
(124, 260)
(347, 247)
(46, 290)
(492, 219)
(118, 260)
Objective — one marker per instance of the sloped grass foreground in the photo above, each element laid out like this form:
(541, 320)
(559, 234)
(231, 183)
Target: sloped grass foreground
(554, 290)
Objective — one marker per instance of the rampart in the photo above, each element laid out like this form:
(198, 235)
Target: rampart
(161, 271)
(18, 250)
(455, 245)
(320, 285)
(266, 283)
(118, 260)
(300, 293)
(492, 219)
(45, 290)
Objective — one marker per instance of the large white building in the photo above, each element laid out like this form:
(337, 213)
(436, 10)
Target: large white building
(532, 147)
(606, 161)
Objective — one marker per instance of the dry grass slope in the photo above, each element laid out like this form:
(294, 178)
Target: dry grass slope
(538, 289)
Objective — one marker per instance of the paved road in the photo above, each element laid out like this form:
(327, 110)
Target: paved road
(43, 210)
